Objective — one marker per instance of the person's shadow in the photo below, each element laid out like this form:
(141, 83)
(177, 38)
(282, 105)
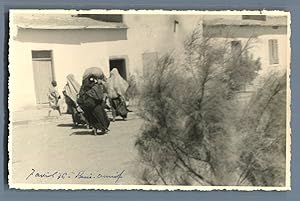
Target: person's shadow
(72, 126)
(65, 125)
(87, 133)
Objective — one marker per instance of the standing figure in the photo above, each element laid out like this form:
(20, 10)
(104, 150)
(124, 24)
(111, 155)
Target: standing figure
(117, 88)
(53, 97)
(91, 100)
(71, 91)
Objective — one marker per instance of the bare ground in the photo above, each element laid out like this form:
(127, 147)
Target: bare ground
(51, 151)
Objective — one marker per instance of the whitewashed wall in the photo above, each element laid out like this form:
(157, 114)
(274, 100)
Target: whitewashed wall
(258, 43)
(76, 50)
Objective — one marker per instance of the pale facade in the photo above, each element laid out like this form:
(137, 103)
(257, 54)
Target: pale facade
(265, 38)
(73, 49)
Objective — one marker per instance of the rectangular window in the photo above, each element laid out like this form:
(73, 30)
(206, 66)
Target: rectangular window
(273, 51)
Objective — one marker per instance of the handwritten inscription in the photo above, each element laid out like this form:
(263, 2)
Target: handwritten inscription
(82, 175)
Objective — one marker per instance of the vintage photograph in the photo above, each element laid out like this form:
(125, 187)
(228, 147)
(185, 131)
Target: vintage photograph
(149, 100)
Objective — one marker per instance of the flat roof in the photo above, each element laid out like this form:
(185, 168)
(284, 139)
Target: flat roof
(62, 21)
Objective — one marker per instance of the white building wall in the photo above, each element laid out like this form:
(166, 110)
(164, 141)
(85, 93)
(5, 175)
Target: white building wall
(259, 45)
(76, 50)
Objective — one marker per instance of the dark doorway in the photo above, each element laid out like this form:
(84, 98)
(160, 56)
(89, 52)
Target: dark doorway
(119, 64)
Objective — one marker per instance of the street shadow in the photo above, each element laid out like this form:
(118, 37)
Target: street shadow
(72, 126)
(119, 120)
(79, 127)
(87, 133)
(65, 125)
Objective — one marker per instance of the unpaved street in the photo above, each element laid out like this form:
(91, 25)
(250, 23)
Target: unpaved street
(51, 151)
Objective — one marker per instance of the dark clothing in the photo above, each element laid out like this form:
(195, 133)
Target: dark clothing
(70, 104)
(77, 116)
(118, 106)
(91, 101)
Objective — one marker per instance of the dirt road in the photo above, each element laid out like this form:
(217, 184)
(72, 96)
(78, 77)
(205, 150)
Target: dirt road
(51, 151)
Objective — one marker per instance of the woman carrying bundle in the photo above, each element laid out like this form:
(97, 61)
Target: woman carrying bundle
(91, 100)
(117, 88)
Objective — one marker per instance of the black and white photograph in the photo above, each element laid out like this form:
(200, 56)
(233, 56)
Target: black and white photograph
(149, 100)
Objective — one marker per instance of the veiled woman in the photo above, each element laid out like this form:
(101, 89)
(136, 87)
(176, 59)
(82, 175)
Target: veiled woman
(71, 91)
(117, 88)
(91, 100)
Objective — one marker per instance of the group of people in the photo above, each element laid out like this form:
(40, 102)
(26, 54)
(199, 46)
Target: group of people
(88, 103)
